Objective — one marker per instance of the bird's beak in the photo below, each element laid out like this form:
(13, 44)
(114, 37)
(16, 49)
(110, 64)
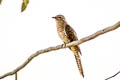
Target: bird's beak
(54, 17)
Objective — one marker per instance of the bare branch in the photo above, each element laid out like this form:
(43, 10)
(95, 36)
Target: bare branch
(113, 75)
(85, 39)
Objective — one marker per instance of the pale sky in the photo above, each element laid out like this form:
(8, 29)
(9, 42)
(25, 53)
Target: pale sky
(22, 34)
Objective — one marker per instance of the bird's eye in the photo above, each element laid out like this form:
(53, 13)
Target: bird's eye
(59, 17)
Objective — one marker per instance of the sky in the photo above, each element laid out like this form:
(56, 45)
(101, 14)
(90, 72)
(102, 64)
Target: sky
(22, 34)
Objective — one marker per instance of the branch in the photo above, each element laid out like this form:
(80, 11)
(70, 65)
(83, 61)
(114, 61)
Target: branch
(113, 75)
(85, 39)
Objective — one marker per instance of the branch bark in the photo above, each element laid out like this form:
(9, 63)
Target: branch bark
(113, 75)
(85, 39)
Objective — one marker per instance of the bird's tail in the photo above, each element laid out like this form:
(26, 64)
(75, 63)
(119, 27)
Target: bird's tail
(79, 64)
(78, 60)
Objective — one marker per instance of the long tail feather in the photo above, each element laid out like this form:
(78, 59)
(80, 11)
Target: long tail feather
(79, 64)
(78, 60)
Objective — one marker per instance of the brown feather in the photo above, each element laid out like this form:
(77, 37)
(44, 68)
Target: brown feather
(67, 34)
(72, 36)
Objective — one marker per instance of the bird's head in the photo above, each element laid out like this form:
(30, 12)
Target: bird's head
(59, 18)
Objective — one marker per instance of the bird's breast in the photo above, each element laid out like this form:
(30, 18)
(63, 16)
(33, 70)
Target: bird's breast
(62, 34)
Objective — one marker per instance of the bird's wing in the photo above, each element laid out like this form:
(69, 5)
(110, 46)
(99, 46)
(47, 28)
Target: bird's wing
(70, 33)
(72, 36)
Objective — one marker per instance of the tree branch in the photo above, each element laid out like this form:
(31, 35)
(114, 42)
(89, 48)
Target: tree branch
(113, 75)
(85, 39)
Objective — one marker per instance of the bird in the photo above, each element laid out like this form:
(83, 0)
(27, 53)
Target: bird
(67, 35)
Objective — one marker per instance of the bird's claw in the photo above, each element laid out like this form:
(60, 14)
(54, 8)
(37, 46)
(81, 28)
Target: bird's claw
(64, 45)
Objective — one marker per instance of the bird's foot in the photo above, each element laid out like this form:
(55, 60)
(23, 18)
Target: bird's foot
(64, 45)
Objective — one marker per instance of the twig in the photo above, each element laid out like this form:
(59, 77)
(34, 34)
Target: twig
(113, 75)
(85, 39)
(16, 76)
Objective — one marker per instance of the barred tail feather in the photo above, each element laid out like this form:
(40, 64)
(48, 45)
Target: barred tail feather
(76, 48)
(78, 60)
(79, 64)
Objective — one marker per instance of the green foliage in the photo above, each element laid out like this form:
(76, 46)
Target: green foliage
(24, 5)
(0, 1)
